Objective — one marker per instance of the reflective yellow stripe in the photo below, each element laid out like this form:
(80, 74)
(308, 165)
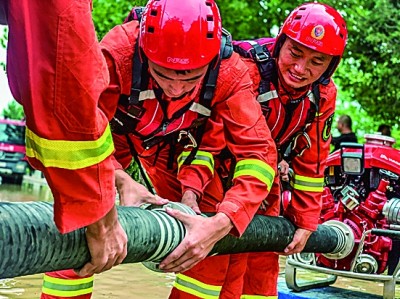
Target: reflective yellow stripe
(257, 297)
(67, 287)
(69, 154)
(256, 168)
(305, 183)
(66, 293)
(196, 288)
(201, 158)
(68, 281)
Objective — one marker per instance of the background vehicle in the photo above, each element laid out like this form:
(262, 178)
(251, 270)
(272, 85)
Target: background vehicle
(362, 190)
(13, 164)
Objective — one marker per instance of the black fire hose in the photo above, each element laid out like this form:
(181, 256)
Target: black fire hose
(30, 242)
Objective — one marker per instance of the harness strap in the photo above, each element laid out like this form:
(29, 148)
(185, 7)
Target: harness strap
(151, 140)
(290, 146)
(140, 81)
(142, 173)
(139, 69)
(135, 14)
(171, 154)
(208, 89)
(207, 92)
(139, 72)
(268, 71)
(265, 63)
(267, 68)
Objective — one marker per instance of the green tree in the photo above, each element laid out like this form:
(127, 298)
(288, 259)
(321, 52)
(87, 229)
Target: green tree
(367, 77)
(369, 71)
(13, 111)
(107, 14)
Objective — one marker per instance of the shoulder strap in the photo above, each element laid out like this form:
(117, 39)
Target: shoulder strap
(226, 51)
(124, 122)
(258, 51)
(135, 14)
(315, 98)
(140, 79)
(139, 69)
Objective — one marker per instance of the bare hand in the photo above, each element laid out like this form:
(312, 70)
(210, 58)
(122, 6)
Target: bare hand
(299, 241)
(201, 235)
(189, 198)
(133, 194)
(283, 169)
(106, 240)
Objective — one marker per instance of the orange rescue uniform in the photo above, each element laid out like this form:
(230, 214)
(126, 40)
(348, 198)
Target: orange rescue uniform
(57, 72)
(244, 131)
(261, 270)
(235, 120)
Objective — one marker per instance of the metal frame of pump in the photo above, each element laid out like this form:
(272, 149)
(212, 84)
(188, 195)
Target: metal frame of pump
(363, 192)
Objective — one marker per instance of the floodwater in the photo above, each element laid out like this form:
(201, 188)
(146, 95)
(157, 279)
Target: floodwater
(132, 281)
(125, 281)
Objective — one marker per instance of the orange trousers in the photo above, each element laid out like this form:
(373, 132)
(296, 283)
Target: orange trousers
(66, 284)
(205, 279)
(255, 273)
(225, 276)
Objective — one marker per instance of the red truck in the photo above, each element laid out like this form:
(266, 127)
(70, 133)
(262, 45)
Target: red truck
(13, 164)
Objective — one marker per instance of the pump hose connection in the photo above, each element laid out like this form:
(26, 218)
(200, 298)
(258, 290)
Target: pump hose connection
(30, 242)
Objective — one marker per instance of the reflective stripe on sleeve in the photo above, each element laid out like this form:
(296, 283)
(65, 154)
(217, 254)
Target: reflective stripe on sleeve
(69, 154)
(305, 183)
(201, 158)
(196, 288)
(256, 168)
(67, 287)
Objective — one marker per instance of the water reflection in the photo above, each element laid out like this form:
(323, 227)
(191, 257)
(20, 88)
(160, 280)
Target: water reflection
(24, 193)
(125, 281)
(23, 287)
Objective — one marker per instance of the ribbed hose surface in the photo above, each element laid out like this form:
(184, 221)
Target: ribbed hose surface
(30, 242)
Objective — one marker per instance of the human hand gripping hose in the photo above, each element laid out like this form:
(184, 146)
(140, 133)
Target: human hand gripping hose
(30, 242)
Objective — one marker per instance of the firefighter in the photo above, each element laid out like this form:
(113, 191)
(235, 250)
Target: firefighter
(56, 72)
(298, 104)
(171, 78)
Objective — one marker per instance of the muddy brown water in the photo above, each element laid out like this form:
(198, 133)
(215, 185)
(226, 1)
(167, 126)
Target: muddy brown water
(132, 281)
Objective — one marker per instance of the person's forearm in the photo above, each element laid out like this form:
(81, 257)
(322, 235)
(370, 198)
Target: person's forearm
(102, 226)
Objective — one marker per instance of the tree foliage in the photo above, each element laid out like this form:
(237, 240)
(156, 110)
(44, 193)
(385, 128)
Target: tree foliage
(372, 62)
(13, 111)
(107, 14)
(369, 70)
(367, 77)
(368, 74)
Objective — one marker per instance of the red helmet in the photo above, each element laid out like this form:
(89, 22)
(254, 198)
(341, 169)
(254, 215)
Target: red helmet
(316, 26)
(181, 35)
